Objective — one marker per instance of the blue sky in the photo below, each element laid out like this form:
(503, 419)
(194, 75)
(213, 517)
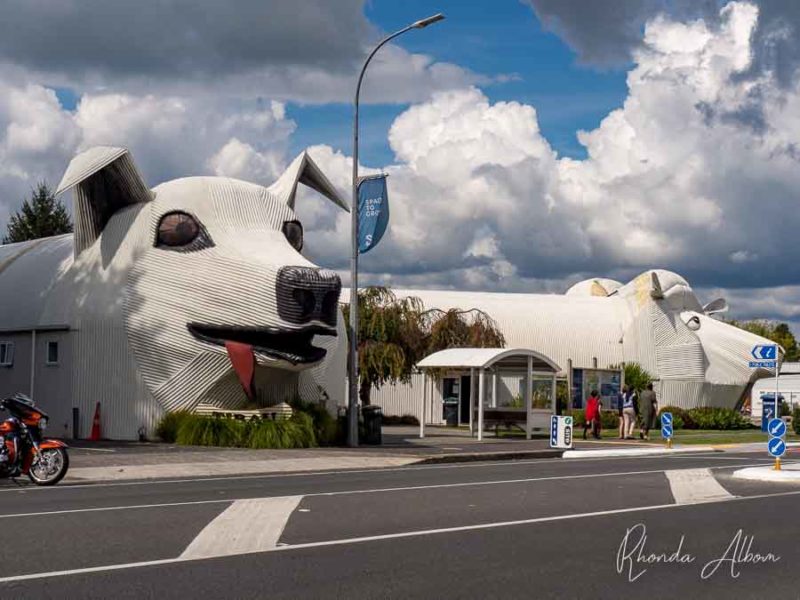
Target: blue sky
(504, 39)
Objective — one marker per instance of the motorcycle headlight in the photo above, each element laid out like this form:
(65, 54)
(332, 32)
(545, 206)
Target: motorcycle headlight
(43, 423)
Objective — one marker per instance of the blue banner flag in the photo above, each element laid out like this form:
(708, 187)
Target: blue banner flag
(373, 212)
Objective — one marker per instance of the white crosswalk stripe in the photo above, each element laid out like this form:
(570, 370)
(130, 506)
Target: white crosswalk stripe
(690, 486)
(245, 526)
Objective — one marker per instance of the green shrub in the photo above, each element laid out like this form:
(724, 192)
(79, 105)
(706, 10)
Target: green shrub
(325, 426)
(195, 430)
(680, 418)
(578, 417)
(712, 417)
(796, 420)
(167, 428)
(295, 432)
(609, 419)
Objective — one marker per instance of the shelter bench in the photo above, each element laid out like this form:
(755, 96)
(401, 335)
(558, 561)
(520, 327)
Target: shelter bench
(508, 418)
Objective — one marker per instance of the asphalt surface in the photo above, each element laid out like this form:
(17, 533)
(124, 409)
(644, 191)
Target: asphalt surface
(547, 528)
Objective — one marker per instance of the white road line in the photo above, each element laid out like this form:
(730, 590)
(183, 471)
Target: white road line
(416, 467)
(112, 508)
(690, 486)
(372, 490)
(471, 465)
(246, 526)
(390, 536)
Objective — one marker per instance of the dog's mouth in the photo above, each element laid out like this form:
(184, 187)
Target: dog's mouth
(293, 346)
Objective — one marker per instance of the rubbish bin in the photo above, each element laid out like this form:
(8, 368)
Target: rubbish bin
(373, 420)
(451, 412)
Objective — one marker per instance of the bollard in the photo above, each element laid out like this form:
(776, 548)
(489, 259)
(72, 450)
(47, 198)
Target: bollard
(777, 463)
(75, 423)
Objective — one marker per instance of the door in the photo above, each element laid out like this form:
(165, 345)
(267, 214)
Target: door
(465, 391)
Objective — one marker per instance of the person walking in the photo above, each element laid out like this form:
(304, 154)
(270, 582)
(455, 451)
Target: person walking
(628, 414)
(620, 398)
(592, 419)
(649, 408)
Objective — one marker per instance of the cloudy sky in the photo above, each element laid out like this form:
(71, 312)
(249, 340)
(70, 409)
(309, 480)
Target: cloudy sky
(530, 143)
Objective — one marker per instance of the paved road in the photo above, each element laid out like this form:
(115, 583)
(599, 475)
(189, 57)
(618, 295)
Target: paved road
(549, 528)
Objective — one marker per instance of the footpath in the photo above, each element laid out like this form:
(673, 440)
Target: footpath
(129, 461)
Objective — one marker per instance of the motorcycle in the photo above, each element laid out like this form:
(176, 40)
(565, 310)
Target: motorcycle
(23, 450)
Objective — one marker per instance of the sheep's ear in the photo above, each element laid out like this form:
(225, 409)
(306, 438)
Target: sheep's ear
(304, 170)
(655, 287)
(105, 180)
(720, 305)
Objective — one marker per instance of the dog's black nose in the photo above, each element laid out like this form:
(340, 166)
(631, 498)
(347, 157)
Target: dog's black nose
(306, 294)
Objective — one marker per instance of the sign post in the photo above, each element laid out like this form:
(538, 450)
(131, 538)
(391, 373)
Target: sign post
(776, 445)
(666, 428)
(561, 432)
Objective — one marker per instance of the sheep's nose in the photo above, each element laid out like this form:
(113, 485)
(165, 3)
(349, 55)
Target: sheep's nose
(306, 294)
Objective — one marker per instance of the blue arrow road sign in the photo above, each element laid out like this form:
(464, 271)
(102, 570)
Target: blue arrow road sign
(763, 352)
(553, 431)
(776, 428)
(666, 431)
(776, 446)
(666, 419)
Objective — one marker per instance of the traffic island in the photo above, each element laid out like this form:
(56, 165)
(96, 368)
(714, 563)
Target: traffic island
(787, 474)
(622, 452)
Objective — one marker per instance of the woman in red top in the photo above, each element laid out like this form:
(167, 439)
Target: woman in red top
(592, 415)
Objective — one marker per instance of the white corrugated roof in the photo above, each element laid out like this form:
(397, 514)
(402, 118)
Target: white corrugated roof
(27, 272)
(481, 358)
(561, 327)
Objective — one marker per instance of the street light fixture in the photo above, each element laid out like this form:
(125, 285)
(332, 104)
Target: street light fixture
(352, 421)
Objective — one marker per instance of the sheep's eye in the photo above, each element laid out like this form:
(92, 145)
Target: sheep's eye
(693, 323)
(181, 231)
(293, 231)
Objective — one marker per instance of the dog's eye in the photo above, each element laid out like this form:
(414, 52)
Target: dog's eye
(181, 231)
(293, 231)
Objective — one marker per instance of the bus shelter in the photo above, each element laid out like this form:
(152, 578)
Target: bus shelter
(492, 362)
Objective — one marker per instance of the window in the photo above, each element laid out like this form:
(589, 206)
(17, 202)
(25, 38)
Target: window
(52, 353)
(6, 354)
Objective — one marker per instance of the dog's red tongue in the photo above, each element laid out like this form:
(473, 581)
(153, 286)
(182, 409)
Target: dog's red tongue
(244, 363)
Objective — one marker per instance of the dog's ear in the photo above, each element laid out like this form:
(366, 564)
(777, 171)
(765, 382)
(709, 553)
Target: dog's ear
(304, 170)
(105, 180)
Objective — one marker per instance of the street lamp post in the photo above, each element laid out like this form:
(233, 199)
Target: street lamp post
(352, 423)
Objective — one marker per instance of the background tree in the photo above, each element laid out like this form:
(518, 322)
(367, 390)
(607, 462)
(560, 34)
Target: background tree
(396, 333)
(40, 216)
(774, 331)
(636, 377)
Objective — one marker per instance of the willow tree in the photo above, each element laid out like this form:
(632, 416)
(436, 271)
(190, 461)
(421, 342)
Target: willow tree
(396, 333)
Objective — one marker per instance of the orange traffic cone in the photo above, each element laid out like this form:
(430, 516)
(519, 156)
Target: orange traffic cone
(95, 436)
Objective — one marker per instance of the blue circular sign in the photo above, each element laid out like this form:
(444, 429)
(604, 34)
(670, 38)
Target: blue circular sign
(776, 446)
(666, 431)
(776, 427)
(666, 419)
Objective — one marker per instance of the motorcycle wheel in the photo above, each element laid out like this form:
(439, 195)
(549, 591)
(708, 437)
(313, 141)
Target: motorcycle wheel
(50, 468)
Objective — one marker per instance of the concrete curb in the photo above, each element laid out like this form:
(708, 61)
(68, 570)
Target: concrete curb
(767, 473)
(635, 452)
(231, 469)
(487, 456)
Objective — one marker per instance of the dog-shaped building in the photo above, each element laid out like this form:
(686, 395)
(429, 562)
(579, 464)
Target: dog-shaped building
(655, 320)
(193, 292)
